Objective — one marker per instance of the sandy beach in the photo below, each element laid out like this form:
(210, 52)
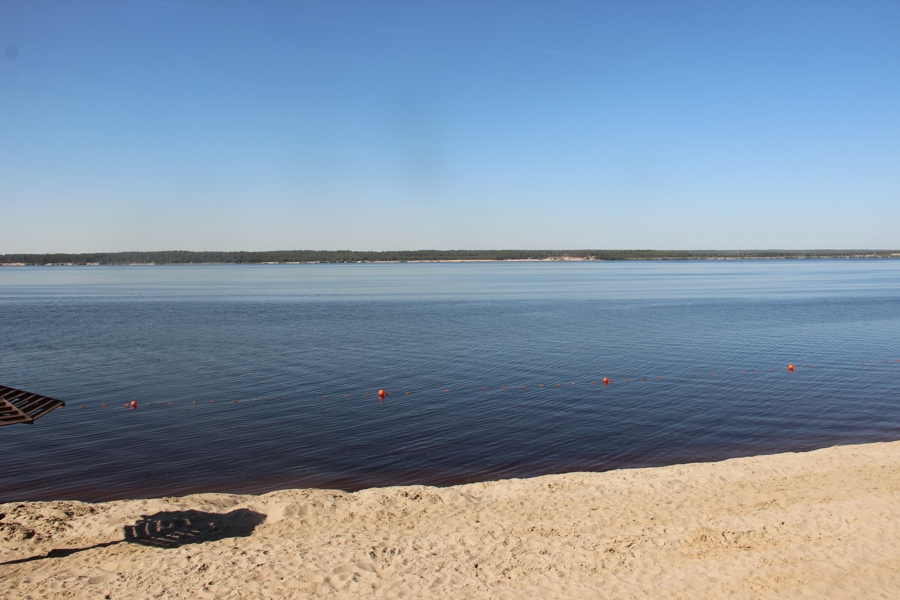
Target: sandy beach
(823, 524)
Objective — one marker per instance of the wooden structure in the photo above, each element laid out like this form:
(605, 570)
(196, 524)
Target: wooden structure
(19, 406)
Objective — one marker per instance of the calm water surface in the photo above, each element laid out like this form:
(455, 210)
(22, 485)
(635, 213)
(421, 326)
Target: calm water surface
(289, 335)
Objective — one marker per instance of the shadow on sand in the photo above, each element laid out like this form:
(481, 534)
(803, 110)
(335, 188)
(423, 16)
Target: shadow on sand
(174, 529)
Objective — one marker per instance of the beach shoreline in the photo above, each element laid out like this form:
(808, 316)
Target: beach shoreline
(824, 523)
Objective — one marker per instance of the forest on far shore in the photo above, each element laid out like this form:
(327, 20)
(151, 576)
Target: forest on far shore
(351, 256)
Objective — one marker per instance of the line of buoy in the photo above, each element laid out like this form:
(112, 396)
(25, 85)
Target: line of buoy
(133, 404)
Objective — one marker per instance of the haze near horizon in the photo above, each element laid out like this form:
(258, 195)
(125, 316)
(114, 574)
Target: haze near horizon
(200, 125)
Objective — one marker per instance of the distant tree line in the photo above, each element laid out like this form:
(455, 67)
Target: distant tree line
(351, 256)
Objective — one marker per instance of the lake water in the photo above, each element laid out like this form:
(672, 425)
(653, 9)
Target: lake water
(280, 338)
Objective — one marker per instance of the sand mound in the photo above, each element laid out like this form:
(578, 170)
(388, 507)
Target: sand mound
(824, 524)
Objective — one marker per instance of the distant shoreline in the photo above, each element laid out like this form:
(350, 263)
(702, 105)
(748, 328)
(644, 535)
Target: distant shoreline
(282, 257)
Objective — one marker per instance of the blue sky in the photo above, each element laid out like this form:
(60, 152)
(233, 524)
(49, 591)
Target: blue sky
(201, 125)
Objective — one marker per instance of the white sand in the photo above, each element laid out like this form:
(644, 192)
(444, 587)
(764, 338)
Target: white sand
(823, 524)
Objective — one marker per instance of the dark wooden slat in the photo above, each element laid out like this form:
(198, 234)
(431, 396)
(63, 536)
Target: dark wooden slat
(19, 406)
(34, 414)
(25, 403)
(24, 399)
(9, 393)
(10, 414)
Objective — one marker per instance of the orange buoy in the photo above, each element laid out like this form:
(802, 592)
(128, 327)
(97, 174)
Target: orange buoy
(558, 385)
(593, 383)
(133, 404)
(791, 368)
(523, 387)
(104, 406)
(406, 393)
(643, 379)
(445, 391)
(236, 400)
(606, 381)
(84, 406)
(542, 385)
(627, 381)
(503, 388)
(212, 401)
(485, 389)
(381, 393)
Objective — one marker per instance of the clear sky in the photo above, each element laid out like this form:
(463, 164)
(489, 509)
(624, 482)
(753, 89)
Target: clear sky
(373, 125)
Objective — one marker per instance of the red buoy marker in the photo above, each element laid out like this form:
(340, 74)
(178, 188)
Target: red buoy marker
(606, 381)
(133, 404)
(381, 394)
(791, 368)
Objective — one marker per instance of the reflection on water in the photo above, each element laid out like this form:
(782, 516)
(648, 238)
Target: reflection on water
(305, 349)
